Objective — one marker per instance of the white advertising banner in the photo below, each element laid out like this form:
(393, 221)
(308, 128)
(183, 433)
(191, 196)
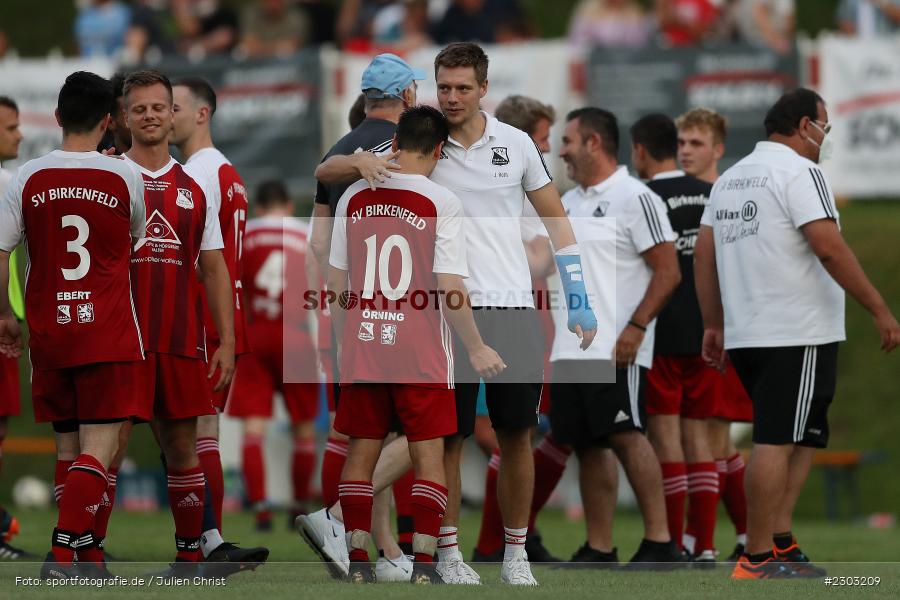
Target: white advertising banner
(860, 81)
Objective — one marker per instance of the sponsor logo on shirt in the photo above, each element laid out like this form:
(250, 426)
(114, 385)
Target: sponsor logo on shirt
(366, 331)
(748, 211)
(444, 155)
(501, 155)
(184, 199)
(63, 314)
(388, 334)
(160, 230)
(85, 312)
(600, 211)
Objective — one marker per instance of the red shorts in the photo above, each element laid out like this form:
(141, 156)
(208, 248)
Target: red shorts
(9, 386)
(734, 404)
(220, 398)
(89, 393)
(256, 380)
(683, 385)
(175, 387)
(368, 410)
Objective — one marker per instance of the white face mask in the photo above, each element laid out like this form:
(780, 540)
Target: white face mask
(826, 148)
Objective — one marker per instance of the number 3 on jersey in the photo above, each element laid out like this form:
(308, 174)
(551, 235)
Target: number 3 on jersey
(76, 246)
(383, 264)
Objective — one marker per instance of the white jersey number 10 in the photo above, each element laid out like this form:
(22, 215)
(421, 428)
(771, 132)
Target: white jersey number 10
(383, 263)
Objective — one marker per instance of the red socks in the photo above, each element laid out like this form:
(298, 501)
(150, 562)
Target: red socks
(675, 487)
(549, 465)
(101, 520)
(211, 462)
(428, 503)
(403, 505)
(186, 493)
(703, 489)
(356, 503)
(87, 481)
(254, 468)
(490, 536)
(733, 493)
(59, 478)
(332, 465)
(303, 463)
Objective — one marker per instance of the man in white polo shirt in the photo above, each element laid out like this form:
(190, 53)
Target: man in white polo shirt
(493, 167)
(598, 395)
(770, 267)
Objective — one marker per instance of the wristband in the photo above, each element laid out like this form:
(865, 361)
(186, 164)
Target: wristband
(638, 326)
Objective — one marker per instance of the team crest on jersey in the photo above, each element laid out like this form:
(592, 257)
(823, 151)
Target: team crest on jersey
(600, 211)
(501, 155)
(184, 199)
(366, 331)
(63, 314)
(160, 230)
(85, 312)
(388, 334)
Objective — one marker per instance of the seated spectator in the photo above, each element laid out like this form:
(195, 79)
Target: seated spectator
(100, 28)
(766, 23)
(272, 28)
(868, 18)
(205, 27)
(402, 26)
(149, 37)
(687, 22)
(609, 24)
(475, 21)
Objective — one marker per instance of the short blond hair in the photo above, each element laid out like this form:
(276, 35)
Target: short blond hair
(704, 118)
(523, 112)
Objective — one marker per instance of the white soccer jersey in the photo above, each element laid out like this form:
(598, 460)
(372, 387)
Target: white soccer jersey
(5, 178)
(775, 291)
(491, 178)
(615, 222)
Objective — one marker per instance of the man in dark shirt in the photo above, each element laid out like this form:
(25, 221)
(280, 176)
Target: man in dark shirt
(682, 389)
(475, 21)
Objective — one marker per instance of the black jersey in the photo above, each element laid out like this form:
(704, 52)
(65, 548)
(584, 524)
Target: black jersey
(679, 327)
(372, 135)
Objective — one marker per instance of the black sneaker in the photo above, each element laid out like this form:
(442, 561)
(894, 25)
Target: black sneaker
(736, 554)
(537, 552)
(8, 552)
(361, 572)
(799, 562)
(657, 556)
(94, 570)
(496, 557)
(53, 570)
(180, 569)
(228, 559)
(589, 558)
(425, 574)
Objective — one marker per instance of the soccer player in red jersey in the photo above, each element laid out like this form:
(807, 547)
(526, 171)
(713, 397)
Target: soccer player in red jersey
(392, 247)
(275, 248)
(195, 105)
(182, 232)
(78, 212)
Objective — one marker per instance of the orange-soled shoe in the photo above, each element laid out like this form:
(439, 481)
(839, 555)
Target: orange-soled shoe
(799, 562)
(771, 568)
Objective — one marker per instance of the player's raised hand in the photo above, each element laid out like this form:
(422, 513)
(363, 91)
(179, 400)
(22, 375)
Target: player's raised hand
(222, 361)
(889, 330)
(627, 346)
(375, 169)
(486, 362)
(713, 350)
(10, 337)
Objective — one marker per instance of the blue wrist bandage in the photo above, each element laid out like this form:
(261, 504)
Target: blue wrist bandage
(570, 273)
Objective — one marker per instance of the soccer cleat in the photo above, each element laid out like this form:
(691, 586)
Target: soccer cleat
(393, 570)
(51, 569)
(360, 572)
(657, 556)
(517, 572)
(325, 536)
(180, 569)
(767, 569)
(588, 558)
(704, 560)
(9, 527)
(736, 554)
(228, 559)
(794, 557)
(94, 570)
(455, 572)
(537, 552)
(425, 574)
(8, 552)
(478, 557)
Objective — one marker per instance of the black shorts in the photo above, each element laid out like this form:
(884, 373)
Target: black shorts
(791, 388)
(585, 408)
(513, 397)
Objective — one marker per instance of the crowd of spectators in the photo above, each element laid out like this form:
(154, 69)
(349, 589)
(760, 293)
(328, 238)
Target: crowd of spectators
(147, 30)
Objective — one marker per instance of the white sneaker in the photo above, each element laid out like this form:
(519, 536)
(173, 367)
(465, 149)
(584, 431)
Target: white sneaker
(325, 536)
(455, 572)
(517, 572)
(394, 570)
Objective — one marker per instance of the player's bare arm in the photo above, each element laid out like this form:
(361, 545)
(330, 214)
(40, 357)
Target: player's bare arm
(540, 257)
(10, 332)
(829, 246)
(337, 289)
(663, 261)
(219, 295)
(548, 205)
(706, 280)
(362, 165)
(486, 362)
(320, 238)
